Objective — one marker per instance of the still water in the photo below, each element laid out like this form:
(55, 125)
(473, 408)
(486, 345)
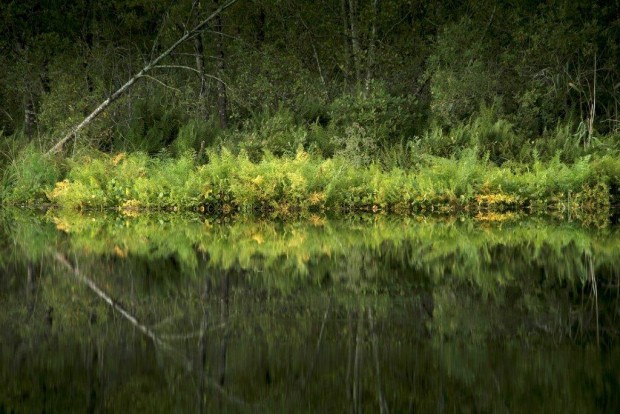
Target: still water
(175, 313)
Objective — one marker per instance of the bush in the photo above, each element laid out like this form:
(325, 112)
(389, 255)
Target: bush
(154, 124)
(462, 73)
(277, 133)
(193, 135)
(29, 177)
(385, 118)
(493, 137)
(565, 140)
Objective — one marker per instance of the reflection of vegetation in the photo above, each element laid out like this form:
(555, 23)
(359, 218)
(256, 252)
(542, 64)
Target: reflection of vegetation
(328, 314)
(445, 247)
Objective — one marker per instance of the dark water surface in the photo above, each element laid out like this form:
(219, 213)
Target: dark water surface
(176, 313)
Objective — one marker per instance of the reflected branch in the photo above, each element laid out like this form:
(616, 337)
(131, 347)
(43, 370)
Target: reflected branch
(106, 298)
(592, 279)
(375, 351)
(60, 258)
(357, 395)
(318, 345)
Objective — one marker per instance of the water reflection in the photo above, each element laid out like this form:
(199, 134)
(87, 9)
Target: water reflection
(178, 314)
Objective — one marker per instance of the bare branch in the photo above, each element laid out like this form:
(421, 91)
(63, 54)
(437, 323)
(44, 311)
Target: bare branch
(141, 327)
(7, 114)
(147, 68)
(161, 83)
(177, 67)
(106, 298)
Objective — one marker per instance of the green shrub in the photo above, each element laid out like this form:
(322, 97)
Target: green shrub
(451, 178)
(357, 144)
(385, 118)
(462, 73)
(11, 146)
(154, 124)
(277, 133)
(29, 177)
(193, 135)
(320, 141)
(565, 140)
(492, 136)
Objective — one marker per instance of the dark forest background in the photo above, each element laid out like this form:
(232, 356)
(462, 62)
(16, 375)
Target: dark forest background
(363, 78)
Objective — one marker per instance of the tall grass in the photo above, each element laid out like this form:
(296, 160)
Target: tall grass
(29, 176)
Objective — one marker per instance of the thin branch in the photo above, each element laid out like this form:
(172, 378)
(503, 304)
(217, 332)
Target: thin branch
(161, 27)
(314, 52)
(195, 4)
(7, 114)
(486, 29)
(387, 32)
(177, 67)
(206, 75)
(193, 70)
(161, 83)
(141, 327)
(217, 79)
(119, 92)
(318, 345)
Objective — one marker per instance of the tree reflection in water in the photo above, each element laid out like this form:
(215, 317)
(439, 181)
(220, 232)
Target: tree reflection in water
(172, 313)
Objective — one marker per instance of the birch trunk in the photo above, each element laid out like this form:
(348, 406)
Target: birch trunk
(355, 41)
(346, 32)
(146, 69)
(370, 62)
(222, 98)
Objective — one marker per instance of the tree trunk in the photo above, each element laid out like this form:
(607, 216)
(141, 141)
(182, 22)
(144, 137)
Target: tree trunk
(357, 365)
(314, 51)
(204, 342)
(200, 67)
(260, 29)
(88, 36)
(346, 32)
(203, 107)
(146, 69)
(383, 407)
(222, 98)
(224, 312)
(355, 41)
(370, 61)
(30, 117)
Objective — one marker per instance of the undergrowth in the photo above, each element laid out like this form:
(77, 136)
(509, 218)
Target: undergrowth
(29, 177)
(227, 182)
(362, 160)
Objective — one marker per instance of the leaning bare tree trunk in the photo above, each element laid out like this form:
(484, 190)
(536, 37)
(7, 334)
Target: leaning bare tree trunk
(152, 64)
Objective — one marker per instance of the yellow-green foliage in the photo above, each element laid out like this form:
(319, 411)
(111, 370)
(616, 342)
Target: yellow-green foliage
(136, 181)
(464, 246)
(29, 176)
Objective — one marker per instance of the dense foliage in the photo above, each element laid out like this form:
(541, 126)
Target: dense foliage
(308, 183)
(389, 84)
